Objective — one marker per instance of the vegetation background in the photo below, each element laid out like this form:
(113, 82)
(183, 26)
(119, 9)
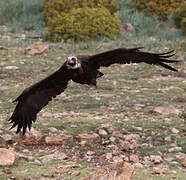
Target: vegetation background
(126, 97)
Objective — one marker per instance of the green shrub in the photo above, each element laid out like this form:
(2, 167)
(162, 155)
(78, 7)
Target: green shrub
(161, 8)
(179, 17)
(21, 14)
(183, 25)
(80, 19)
(82, 24)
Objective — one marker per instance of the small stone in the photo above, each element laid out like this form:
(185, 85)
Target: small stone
(11, 67)
(155, 159)
(53, 129)
(108, 127)
(30, 138)
(102, 132)
(124, 145)
(83, 143)
(175, 149)
(58, 139)
(168, 138)
(175, 131)
(115, 171)
(8, 138)
(117, 159)
(7, 171)
(112, 139)
(76, 173)
(184, 163)
(127, 27)
(91, 138)
(108, 155)
(134, 158)
(167, 110)
(131, 137)
(138, 165)
(159, 170)
(8, 157)
(54, 156)
(90, 153)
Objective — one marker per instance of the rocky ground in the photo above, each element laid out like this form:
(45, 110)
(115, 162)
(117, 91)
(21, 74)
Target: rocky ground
(131, 126)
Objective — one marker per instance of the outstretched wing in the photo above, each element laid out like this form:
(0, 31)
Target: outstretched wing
(133, 55)
(34, 98)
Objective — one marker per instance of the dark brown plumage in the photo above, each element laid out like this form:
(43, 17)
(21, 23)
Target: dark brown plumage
(82, 69)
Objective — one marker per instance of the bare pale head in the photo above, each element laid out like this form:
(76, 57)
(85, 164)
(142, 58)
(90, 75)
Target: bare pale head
(72, 62)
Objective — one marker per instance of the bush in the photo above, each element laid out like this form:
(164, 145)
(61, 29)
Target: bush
(82, 24)
(179, 17)
(161, 8)
(80, 20)
(21, 14)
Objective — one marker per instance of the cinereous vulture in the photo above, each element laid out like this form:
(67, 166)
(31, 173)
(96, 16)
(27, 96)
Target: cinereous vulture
(83, 69)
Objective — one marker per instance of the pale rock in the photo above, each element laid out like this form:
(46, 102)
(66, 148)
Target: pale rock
(124, 145)
(168, 138)
(102, 132)
(175, 149)
(175, 131)
(131, 137)
(108, 155)
(83, 143)
(8, 157)
(53, 129)
(184, 163)
(112, 139)
(54, 156)
(11, 67)
(76, 173)
(156, 159)
(134, 158)
(90, 153)
(116, 171)
(138, 165)
(91, 138)
(127, 27)
(165, 110)
(58, 139)
(108, 127)
(30, 138)
(117, 159)
(159, 170)
(8, 138)
(117, 134)
(36, 48)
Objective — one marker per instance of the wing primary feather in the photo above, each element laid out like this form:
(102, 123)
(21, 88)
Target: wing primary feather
(165, 52)
(167, 66)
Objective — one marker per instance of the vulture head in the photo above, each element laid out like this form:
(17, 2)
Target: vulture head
(72, 62)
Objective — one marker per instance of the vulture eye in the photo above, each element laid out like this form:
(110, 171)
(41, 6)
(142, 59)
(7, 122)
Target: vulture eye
(72, 61)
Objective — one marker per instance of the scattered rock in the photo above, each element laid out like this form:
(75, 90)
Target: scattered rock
(134, 158)
(76, 173)
(159, 170)
(108, 155)
(117, 134)
(175, 149)
(166, 110)
(108, 127)
(7, 171)
(53, 129)
(61, 170)
(11, 67)
(54, 156)
(127, 27)
(124, 145)
(8, 138)
(90, 153)
(8, 157)
(102, 132)
(112, 139)
(36, 48)
(184, 163)
(117, 159)
(175, 131)
(31, 137)
(168, 138)
(91, 138)
(58, 139)
(131, 137)
(156, 159)
(83, 143)
(116, 171)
